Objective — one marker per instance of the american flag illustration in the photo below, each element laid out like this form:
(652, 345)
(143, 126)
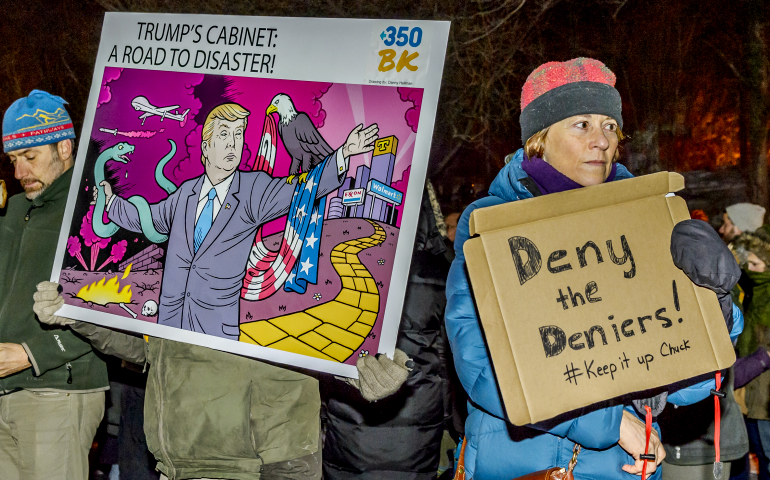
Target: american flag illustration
(267, 271)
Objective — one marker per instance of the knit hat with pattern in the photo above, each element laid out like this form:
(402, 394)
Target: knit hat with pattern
(38, 119)
(558, 90)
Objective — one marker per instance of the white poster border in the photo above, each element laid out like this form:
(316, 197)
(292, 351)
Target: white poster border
(320, 53)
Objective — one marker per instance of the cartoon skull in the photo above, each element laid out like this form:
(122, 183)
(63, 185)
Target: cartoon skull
(150, 308)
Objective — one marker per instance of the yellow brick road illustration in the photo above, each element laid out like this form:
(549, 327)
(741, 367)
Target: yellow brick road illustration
(333, 330)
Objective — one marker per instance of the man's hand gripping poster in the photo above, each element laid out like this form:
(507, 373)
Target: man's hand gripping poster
(252, 184)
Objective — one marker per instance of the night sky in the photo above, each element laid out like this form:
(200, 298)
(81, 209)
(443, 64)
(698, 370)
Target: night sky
(681, 69)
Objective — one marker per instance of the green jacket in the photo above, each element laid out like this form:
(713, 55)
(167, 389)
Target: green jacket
(61, 360)
(212, 414)
(756, 333)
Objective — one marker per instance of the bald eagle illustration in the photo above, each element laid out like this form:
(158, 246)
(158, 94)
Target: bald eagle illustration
(301, 139)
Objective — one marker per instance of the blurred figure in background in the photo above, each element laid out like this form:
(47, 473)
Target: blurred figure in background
(451, 225)
(741, 218)
(399, 437)
(123, 447)
(751, 246)
(688, 431)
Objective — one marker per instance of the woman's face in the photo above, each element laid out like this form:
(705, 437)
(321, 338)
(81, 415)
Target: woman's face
(582, 147)
(755, 264)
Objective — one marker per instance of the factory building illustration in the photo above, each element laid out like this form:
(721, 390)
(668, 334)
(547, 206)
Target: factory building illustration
(369, 194)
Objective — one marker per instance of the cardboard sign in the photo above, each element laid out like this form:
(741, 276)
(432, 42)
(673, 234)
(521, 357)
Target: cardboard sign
(288, 259)
(580, 300)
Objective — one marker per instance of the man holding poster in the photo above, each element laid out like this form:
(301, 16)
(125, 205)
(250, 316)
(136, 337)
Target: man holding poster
(51, 382)
(275, 410)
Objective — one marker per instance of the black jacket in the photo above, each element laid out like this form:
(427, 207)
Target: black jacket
(688, 431)
(398, 437)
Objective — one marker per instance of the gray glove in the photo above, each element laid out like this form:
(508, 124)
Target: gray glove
(48, 300)
(380, 377)
(697, 249)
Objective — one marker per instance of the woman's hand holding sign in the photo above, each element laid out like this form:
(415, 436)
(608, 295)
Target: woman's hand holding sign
(633, 440)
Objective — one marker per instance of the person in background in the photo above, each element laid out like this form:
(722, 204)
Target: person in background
(123, 452)
(399, 437)
(51, 381)
(699, 214)
(739, 218)
(451, 225)
(688, 431)
(571, 125)
(752, 250)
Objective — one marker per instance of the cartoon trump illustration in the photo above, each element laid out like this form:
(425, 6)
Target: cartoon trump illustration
(211, 221)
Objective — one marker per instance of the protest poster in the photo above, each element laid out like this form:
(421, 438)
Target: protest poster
(580, 300)
(301, 255)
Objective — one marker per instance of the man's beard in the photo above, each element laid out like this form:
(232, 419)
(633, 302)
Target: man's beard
(55, 169)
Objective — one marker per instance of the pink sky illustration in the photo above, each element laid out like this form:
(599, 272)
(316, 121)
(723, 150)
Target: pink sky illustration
(334, 108)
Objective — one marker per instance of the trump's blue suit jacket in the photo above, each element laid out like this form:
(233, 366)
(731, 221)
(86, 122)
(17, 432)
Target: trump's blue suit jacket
(201, 290)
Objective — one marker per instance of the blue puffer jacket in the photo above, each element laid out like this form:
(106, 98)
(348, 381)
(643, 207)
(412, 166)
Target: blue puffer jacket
(501, 451)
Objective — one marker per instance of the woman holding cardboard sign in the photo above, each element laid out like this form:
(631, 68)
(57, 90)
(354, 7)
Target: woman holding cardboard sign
(571, 126)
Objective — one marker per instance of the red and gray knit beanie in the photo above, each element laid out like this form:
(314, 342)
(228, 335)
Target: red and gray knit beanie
(558, 90)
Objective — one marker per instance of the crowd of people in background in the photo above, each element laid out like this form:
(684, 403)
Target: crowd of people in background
(180, 411)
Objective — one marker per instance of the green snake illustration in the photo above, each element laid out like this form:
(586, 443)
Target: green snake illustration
(119, 152)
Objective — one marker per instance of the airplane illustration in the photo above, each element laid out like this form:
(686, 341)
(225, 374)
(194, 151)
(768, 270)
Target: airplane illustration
(141, 103)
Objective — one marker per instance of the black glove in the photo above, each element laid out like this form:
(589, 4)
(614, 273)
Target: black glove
(697, 249)
(656, 404)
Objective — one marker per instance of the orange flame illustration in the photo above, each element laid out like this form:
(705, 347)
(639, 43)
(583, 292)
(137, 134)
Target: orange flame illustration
(106, 291)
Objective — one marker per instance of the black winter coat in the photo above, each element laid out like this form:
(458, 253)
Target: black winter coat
(398, 437)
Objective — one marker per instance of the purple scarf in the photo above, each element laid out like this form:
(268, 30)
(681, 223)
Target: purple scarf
(550, 180)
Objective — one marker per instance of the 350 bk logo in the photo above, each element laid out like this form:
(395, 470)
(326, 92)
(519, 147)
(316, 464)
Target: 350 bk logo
(399, 37)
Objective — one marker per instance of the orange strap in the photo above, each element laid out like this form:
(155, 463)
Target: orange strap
(460, 468)
(648, 431)
(717, 417)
